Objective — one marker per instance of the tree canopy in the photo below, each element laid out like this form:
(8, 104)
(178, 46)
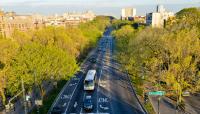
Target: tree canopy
(44, 54)
(169, 55)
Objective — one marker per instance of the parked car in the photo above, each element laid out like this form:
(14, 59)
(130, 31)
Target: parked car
(87, 103)
(186, 93)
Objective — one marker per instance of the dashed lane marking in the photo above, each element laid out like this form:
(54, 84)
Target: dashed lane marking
(98, 90)
(71, 97)
(75, 104)
(66, 97)
(73, 84)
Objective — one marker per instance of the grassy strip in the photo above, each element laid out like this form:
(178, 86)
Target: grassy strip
(149, 108)
(49, 99)
(139, 91)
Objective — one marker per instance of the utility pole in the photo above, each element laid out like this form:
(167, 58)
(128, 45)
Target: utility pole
(159, 105)
(24, 96)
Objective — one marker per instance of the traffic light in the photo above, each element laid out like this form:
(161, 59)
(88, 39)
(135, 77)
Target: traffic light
(146, 98)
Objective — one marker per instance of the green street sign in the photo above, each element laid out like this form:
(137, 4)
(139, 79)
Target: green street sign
(161, 93)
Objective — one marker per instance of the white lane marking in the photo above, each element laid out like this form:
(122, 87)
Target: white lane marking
(75, 104)
(82, 100)
(98, 90)
(71, 97)
(58, 97)
(104, 108)
(64, 104)
(66, 97)
(72, 84)
(104, 100)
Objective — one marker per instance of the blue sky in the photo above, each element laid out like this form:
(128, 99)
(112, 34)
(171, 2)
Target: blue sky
(100, 3)
(105, 7)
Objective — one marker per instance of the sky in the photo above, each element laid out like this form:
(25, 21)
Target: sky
(100, 7)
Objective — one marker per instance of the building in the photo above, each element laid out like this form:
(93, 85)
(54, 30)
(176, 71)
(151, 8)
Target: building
(76, 18)
(9, 21)
(154, 19)
(158, 18)
(160, 9)
(128, 13)
(69, 19)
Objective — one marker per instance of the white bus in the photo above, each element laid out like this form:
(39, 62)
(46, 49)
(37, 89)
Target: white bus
(89, 82)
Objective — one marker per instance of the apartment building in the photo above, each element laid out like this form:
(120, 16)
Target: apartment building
(10, 21)
(158, 18)
(128, 13)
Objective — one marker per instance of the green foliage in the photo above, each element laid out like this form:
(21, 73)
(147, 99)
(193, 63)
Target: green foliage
(21, 37)
(187, 18)
(117, 24)
(170, 55)
(50, 98)
(149, 108)
(8, 50)
(49, 53)
(39, 62)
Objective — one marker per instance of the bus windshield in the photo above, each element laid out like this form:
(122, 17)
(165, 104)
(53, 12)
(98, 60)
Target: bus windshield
(89, 82)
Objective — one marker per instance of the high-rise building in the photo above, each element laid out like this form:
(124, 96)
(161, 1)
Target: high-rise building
(128, 13)
(158, 18)
(154, 19)
(160, 9)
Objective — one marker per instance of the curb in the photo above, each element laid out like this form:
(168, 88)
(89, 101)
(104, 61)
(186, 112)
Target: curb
(144, 110)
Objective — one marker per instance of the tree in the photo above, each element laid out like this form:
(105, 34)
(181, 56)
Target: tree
(8, 51)
(36, 63)
(168, 55)
(21, 37)
(183, 46)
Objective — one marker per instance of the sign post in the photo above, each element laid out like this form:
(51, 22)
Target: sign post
(157, 93)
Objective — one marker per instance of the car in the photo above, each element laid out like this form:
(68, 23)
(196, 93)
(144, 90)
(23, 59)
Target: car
(92, 59)
(87, 103)
(56, 110)
(186, 93)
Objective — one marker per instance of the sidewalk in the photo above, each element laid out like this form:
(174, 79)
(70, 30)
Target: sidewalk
(19, 106)
(168, 107)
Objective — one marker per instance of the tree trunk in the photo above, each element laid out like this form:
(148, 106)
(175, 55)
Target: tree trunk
(3, 96)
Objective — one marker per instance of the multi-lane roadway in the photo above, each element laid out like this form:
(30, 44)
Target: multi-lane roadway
(113, 92)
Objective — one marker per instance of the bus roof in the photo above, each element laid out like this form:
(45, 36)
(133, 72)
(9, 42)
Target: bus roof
(90, 75)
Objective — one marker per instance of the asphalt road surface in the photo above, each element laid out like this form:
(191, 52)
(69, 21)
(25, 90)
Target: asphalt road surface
(113, 93)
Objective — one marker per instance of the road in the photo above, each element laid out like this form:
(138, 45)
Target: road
(113, 92)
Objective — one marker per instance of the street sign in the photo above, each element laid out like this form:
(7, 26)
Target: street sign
(161, 93)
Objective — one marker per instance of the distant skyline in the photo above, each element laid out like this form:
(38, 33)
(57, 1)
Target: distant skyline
(100, 7)
(100, 3)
